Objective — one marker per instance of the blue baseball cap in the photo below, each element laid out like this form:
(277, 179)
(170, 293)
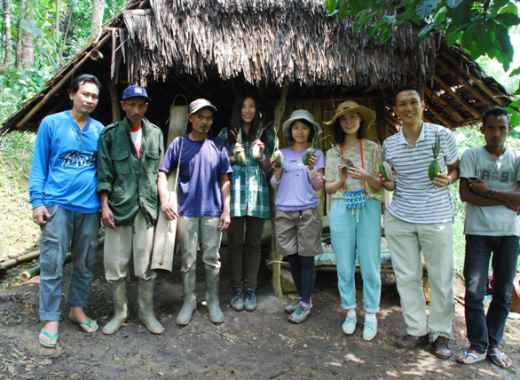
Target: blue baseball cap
(134, 91)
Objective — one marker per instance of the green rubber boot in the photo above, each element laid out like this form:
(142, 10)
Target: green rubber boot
(120, 307)
(190, 300)
(215, 313)
(145, 304)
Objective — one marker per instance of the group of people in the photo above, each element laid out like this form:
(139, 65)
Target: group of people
(82, 171)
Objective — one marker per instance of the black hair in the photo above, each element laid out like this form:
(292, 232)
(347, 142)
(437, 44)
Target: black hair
(339, 135)
(236, 120)
(83, 78)
(493, 112)
(407, 88)
(309, 125)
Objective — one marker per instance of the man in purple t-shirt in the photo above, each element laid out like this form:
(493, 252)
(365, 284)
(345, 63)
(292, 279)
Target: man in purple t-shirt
(203, 205)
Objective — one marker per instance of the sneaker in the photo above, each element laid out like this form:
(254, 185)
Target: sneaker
(470, 356)
(250, 299)
(441, 348)
(410, 341)
(237, 300)
(291, 307)
(369, 328)
(301, 313)
(349, 324)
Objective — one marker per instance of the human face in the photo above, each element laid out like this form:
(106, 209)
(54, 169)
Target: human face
(495, 131)
(134, 108)
(202, 121)
(300, 132)
(350, 123)
(85, 99)
(409, 107)
(248, 110)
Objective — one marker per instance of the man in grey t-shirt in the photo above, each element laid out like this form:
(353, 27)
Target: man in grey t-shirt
(490, 187)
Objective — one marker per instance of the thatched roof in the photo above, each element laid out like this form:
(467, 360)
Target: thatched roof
(270, 43)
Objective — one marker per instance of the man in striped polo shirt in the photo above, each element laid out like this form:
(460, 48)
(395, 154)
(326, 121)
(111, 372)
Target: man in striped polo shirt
(419, 220)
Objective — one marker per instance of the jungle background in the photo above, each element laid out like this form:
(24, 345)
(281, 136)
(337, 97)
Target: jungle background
(37, 37)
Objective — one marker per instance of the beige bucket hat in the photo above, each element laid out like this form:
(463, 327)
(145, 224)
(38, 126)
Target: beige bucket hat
(300, 114)
(368, 116)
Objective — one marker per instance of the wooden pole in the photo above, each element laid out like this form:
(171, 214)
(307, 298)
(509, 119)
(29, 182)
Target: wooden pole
(275, 255)
(13, 262)
(114, 100)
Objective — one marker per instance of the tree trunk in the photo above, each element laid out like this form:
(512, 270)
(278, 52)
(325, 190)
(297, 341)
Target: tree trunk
(24, 45)
(57, 21)
(98, 9)
(8, 37)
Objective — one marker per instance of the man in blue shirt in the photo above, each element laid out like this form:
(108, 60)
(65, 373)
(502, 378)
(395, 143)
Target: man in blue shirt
(203, 205)
(62, 190)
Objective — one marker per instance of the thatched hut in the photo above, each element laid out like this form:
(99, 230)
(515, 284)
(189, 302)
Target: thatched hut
(289, 51)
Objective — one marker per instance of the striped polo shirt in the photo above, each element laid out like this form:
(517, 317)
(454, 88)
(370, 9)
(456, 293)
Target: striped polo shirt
(416, 199)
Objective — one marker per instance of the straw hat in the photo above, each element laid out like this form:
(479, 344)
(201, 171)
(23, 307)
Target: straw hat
(348, 106)
(300, 115)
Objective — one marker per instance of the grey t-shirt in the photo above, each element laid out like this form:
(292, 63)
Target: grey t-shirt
(501, 174)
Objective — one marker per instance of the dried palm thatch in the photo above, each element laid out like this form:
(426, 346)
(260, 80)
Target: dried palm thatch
(269, 41)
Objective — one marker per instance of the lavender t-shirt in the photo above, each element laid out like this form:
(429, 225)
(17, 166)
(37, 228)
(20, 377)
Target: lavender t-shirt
(295, 192)
(201, 166)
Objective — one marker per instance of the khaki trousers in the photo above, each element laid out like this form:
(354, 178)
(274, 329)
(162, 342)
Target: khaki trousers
(125, 243)
(406, 242)
(203, 230)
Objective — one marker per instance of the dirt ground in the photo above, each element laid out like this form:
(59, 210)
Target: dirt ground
(258, 345)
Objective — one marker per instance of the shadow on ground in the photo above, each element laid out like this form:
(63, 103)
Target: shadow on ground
(258, 345)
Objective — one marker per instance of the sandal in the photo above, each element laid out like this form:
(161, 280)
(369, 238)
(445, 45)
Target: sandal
(499, 358)
(470, 356)
(88, 325)
(48, 339)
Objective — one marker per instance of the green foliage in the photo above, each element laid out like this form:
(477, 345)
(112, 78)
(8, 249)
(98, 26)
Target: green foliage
(16, 151)
(480, 27)
(51, 49)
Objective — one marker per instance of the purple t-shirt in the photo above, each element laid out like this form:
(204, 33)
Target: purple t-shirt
(295, 192)
(201, 166)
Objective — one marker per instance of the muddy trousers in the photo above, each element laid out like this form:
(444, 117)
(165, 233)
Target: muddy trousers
(66, 230)
(245, 238)
(129, 242)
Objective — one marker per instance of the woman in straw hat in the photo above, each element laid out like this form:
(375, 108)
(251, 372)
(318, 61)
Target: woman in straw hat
(297, 219)
(352, 179)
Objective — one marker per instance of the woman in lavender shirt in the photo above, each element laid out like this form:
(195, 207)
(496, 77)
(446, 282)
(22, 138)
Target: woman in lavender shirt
(297, 219)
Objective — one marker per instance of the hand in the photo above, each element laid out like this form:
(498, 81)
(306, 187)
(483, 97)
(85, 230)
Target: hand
(312, 162)
(388, 185)
(478, 187)
(442, 180)
(358, 173)
(277, 172)
(40, 215)
(257, 149)
(107, 217)
(343, 173)
(168, 210)
(224, 221)
(513, 207)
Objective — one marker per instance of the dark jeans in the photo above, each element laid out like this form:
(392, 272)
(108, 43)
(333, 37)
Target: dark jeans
(302, 270)
(245, 239)
(486, 331)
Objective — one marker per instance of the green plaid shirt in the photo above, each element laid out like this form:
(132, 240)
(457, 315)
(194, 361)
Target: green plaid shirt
(249, 188)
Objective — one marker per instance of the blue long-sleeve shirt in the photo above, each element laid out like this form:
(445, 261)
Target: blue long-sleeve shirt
(63, 169)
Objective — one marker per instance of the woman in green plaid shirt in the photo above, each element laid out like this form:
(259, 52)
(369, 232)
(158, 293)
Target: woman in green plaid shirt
(250, 146)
